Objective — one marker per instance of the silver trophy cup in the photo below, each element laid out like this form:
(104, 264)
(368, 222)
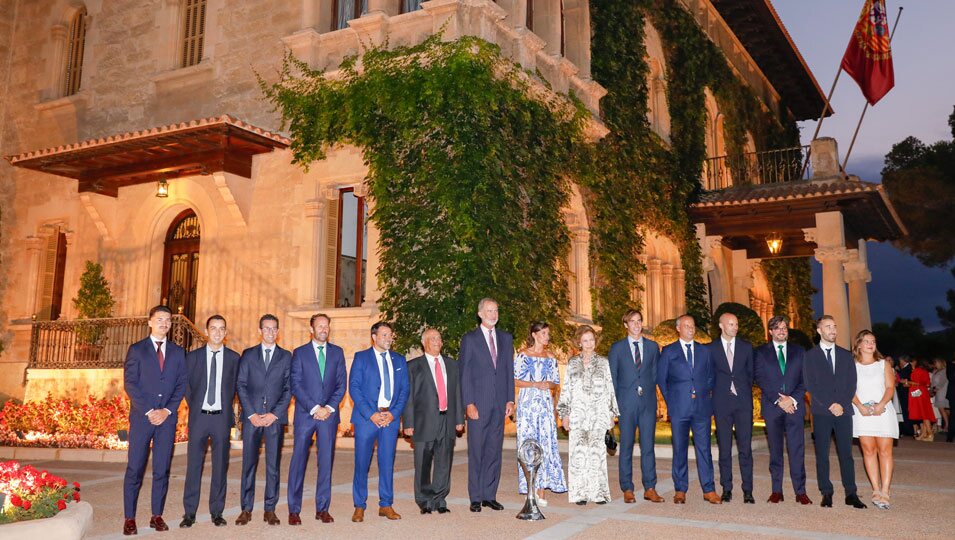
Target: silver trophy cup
(530, 455)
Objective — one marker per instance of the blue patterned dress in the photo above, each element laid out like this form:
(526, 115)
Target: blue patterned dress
(535, 420)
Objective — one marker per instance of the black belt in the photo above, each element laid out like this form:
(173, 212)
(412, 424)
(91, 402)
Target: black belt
(382, 409)
(203, 411)
(442, 413)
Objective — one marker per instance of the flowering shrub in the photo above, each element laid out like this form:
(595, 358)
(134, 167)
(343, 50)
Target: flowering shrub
(33, 494)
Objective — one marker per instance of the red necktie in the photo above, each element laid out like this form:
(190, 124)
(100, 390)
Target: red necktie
(162, 359)
(439, 382)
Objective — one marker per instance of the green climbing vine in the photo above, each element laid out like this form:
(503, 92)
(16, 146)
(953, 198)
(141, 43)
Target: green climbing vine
(792, 290)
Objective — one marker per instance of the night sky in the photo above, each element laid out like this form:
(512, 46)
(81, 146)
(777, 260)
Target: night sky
(919, 105)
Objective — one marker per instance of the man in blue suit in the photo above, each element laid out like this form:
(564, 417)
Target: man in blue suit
(210, 390)
(265, 393)
(318, 381)
(154, 377)
(486, 364)
(733, 405)
(633, 368)
(686, 377)
(830, 375)
(777, 367)
(378, 385)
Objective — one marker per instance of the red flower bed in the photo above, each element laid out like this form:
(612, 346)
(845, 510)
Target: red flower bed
(33, 494)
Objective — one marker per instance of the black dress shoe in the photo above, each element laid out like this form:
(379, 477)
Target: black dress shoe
(475, 507)
(748, 498)
(727, 495)
(853, 501)
(425, 510)
(493, 505)
(602, 501)
(581, 503)
(188, 520)
(218, 520)
(826, 501)
(445, 509)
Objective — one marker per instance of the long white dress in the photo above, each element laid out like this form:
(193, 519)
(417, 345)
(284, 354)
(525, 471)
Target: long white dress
(870, 387)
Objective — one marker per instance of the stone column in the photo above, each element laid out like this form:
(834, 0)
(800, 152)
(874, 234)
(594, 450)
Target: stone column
(577, 35)
(669, 303)
(34, 245)
(389, 7)
(757, 305)
(655, 291)
(743, 281)
(824, 157)
(857, 274)
(832, 253)
(679, 290)
(311, 277)
(580, 267)
(547, 24)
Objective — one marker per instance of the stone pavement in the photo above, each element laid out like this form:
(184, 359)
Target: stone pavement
(922, 499)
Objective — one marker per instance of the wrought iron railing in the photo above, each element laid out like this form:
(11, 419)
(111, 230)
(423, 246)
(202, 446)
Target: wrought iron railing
(99, 343)
(771, 166)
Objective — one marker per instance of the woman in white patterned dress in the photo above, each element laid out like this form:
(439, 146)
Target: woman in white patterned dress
(587, 407)
(874, 421)
(535, 375)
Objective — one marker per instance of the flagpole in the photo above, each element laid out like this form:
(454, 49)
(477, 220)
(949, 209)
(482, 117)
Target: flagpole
(864, 109)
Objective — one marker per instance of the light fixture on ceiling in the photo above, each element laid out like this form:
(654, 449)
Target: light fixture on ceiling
(775, 243)
(162, 188)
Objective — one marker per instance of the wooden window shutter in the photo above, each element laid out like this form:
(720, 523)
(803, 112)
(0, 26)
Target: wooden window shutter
(331, 253)
(74, 57)
(51, 278)
(193, 31)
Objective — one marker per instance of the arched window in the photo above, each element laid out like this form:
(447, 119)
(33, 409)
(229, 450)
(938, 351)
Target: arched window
(74, 58)
(193, 31)
(180, 276)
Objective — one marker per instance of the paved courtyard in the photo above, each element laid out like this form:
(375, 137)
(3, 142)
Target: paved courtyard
(923, 497)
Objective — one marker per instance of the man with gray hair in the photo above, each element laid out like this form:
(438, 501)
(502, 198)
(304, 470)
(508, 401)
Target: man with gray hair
(433, 416)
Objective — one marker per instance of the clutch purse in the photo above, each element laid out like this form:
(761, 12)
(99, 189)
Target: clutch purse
(916, 393)
(611, 443)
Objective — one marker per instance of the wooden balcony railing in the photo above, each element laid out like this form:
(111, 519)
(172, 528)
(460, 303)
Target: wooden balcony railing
(771, 166)
(99, 343)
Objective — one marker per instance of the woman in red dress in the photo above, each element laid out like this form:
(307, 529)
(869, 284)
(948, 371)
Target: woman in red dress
(920, 402)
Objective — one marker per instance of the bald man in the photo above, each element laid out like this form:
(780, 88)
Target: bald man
(733, 405)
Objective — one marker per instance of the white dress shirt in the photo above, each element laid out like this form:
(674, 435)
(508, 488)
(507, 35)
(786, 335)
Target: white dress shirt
(639, 342)
(315, 346)
(444, 371)
(163, 349)
(488, 332)
(215, 405)
(829, 352)
(786, 356)
(731, 345)
(692, 345)
(382, 402)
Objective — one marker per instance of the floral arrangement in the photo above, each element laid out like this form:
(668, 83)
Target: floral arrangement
(33, 494)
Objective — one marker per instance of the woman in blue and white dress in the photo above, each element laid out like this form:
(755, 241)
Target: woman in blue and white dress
(536, 375)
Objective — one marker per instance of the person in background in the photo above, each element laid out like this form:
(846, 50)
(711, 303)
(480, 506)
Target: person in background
(950, 395)
(920, 401)
(904, 371)
(940, 393)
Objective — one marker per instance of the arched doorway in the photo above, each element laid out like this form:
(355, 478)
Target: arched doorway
(180, 271)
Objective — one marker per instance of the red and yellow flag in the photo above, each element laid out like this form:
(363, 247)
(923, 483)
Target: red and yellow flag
(868, 57)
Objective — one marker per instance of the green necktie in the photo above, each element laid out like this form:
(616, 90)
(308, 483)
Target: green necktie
(321, 360)
(782, 360)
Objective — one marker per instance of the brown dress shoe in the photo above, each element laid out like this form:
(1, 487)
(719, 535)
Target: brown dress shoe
(652, 496)
(775, 497)
(359, 515)
(324, 517)
(244, 518)
(129, 527)
(388, 512)
(803, 499)
(294, 519)
(679, 497)
(156, 522)
(712, 498)
(628, 497)
(270, 518)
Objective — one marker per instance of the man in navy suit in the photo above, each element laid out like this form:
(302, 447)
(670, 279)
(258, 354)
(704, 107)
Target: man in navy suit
(733, 405)
(210, 389)
(154, 377)
(686, 377)
(486, 363)
(777, 367)
(633, 368)
(265, 393)
(378, 385)
(318, 381)
(830, 375)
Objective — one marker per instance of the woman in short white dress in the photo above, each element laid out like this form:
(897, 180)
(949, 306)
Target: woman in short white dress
(874, 421)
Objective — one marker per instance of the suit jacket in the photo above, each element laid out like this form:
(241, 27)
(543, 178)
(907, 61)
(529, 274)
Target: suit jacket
(771, 380)
(264, 391)
(421, 411)
(196, 385)
(364, 385)
(308, 386)
(741, 376)
(950, 373)
(826, 388)
(677, 381)
(149, 388)
(627, 378)
(482, 384)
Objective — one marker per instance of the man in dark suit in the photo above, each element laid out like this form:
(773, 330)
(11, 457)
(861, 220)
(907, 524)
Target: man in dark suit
(265, 393)
(154, 377)
(686, 377)
(906, 426)
(733, 405)
(777, 367)
(830, 375)
(318, 380)
(378, 385)
(487, 391)
(432, 417)
(633, 368)
(210, 388)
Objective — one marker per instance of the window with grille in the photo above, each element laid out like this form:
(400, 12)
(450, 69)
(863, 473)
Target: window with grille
(74, 56)
(193, 31)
